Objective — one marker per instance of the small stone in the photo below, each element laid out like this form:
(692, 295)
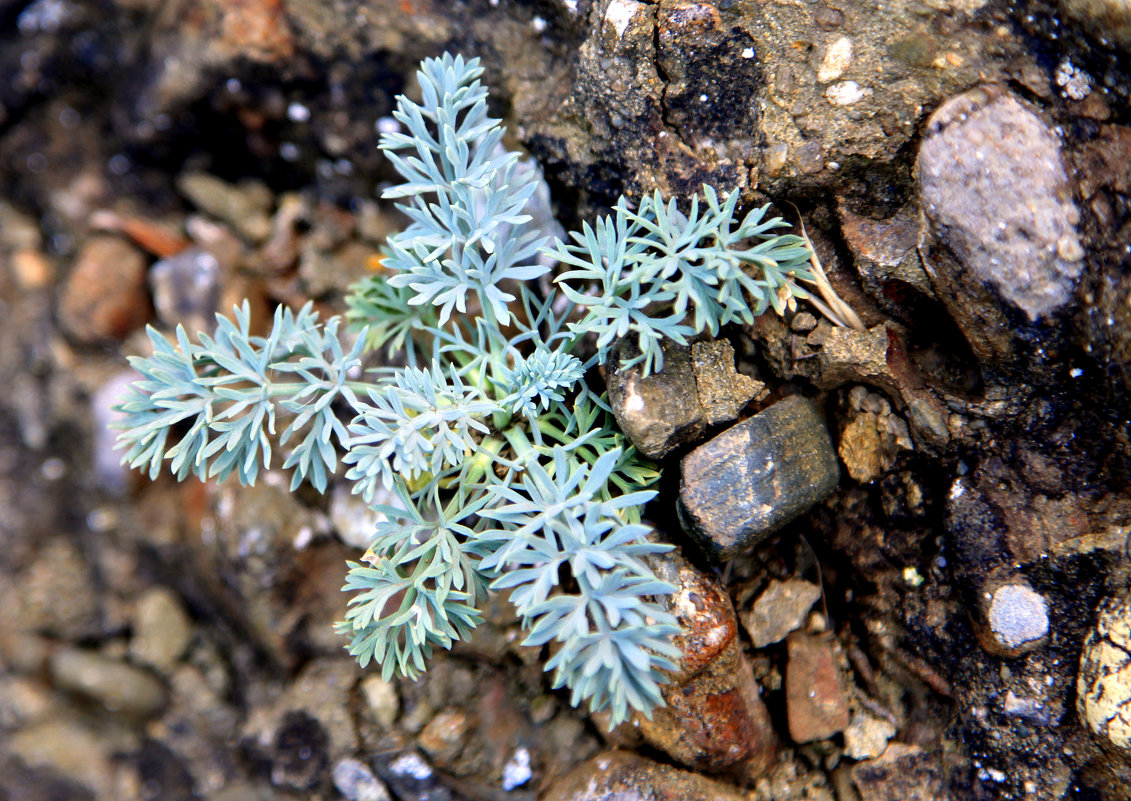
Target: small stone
(837, 57)
(516, 772)
(723, 391)
(901, 773)
(714, 718)
(444, 736)
(75, 751)
(867, 736)
(627, 777)
(244, 206)
(186, 289)
(119, 687)
(779, 610)
(816, 696)
(755, 477)
(1018, 617)
(803, 323)
(162, 630)
(1103, 686)
(104, 297)
(356, 782)
(661, 412)
(383, 701)
(408, 775)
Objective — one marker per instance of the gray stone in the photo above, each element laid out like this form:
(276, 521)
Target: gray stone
(119, 687)
(780, 609)
(186, 289)
(1000, 238)
(755, 477)
(1018, 616)
(661, 412)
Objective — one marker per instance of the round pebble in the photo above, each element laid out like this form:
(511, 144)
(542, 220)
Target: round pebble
(1018, 616)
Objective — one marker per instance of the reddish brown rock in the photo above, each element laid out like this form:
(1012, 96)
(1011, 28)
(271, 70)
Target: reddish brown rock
(104, 297)
(714, 719)
(816, 697)
(627, 777)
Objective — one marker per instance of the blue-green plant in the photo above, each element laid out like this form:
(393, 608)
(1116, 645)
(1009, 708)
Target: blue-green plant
(491, 460)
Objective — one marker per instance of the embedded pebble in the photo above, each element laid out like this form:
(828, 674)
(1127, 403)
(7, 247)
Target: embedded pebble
(723, 391)
(836, 60)
(755, 477)
(383, 701)
(1103, 687)
(186, 289)
(816, 695)
(779, 610)
(119, 687)
(104, 296)
(867, 736)
(162, 629)
(714, 718)
(1018, 616)
(661, 412)
(356, 782)
(517, 770)
(627, 777)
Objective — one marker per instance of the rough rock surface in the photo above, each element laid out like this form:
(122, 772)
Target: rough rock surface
(628, 777)
(1000, 231)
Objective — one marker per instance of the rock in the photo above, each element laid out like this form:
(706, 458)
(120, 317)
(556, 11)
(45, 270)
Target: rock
(119, 687)
(59, 564)
(1000, 238)
(444, 736)
(872, 437)
(104, 297)
(661, 412)
(162, 629)
(1103, 686)
(816, 696)
(885, 254)
(381, 696)
(516, 771)
(356, 782)
(755, 477)
(299, 756)
(1018, 618)
(781, 608)
(245, 206)
(723, 391)
(867, 736)
(715, 719)
(626, 777)
(75, 751)
(186, 290)
(901, 773)
(1109, 20)
(408, 775)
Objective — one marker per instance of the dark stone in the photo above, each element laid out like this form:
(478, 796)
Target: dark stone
(901, 773)
(661, 412)
(755, 477)
(300, 758)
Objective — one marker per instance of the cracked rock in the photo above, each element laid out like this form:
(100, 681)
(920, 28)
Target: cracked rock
(1103, 688)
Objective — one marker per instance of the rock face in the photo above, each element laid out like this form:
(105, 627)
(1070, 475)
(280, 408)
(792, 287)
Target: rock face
(714, 719)
(756, 476)
(1103, 690)
(627, 777)
(1000, 238)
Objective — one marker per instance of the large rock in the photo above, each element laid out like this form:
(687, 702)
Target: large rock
(1000, 241)
(755, 477)
(715, 719)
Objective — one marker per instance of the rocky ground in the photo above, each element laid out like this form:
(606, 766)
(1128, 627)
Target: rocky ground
(930, 602)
